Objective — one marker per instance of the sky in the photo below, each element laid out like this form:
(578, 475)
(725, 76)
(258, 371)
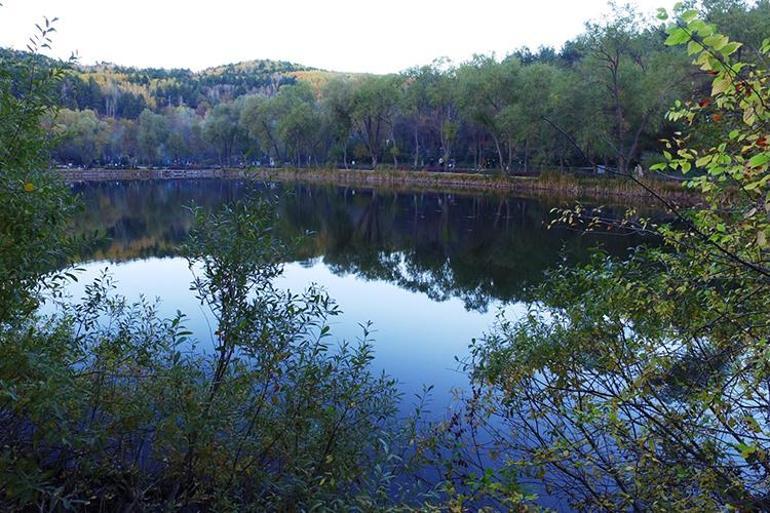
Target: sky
(340, 35)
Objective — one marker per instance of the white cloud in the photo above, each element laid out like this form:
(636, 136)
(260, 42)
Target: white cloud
(345, 35)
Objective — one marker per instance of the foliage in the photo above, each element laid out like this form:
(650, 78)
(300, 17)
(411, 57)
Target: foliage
(642, 384)
(222, 130)
(35, 205)
(374, 103)
(601, 99)
(637, 82)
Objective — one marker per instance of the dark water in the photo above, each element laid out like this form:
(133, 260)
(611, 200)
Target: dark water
(430, 270)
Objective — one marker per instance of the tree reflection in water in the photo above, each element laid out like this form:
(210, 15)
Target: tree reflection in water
(478, 248)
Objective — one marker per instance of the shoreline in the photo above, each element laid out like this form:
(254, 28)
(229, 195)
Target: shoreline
(554, 184)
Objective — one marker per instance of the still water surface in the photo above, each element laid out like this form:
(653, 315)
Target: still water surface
(430, 270)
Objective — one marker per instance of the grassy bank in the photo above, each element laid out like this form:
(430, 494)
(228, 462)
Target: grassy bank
(553, 184)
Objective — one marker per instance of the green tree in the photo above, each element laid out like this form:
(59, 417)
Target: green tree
(185, 133)
(430, 102)
(82, 136)
(536, 103)
(638, 81)
(338, 106)
(222, 129)
(259, 119)
(375, 102)
(488, 98)
(152, 137)
(300, 121)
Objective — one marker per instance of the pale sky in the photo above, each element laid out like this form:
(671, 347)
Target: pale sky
(341, 35)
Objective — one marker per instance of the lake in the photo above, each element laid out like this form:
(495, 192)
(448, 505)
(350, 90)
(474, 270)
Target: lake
(431, 271)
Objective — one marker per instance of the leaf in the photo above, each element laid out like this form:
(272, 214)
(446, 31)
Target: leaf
(703, 161)
(701, 28)
(746, 450)
(730, 48)
(717, 41)
(688, 16)
(677, 36)
(749, 116)
(759, 160)
(721, 84)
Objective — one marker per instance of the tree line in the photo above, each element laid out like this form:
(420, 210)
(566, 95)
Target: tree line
(600, 100)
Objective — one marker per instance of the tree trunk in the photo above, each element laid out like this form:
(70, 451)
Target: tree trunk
(526, 156)
(620, 120)
(500, 163)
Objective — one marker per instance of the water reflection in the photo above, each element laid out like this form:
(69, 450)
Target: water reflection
(479, 249)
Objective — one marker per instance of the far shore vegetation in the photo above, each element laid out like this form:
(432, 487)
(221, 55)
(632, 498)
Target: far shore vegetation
(552, 184)
(597, 102)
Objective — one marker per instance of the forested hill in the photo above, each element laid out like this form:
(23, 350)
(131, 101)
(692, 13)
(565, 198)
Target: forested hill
(124, 92)
(599, 100)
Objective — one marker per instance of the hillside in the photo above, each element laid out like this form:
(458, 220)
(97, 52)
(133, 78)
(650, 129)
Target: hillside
(124, 92)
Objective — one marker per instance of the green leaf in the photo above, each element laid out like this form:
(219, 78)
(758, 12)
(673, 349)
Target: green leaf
(746, 450)
(703, 161)
(677, 36)
(707, 62)
(717, 41)
(688, 16)
(730, 48)
(702, 28)
(759, 160)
